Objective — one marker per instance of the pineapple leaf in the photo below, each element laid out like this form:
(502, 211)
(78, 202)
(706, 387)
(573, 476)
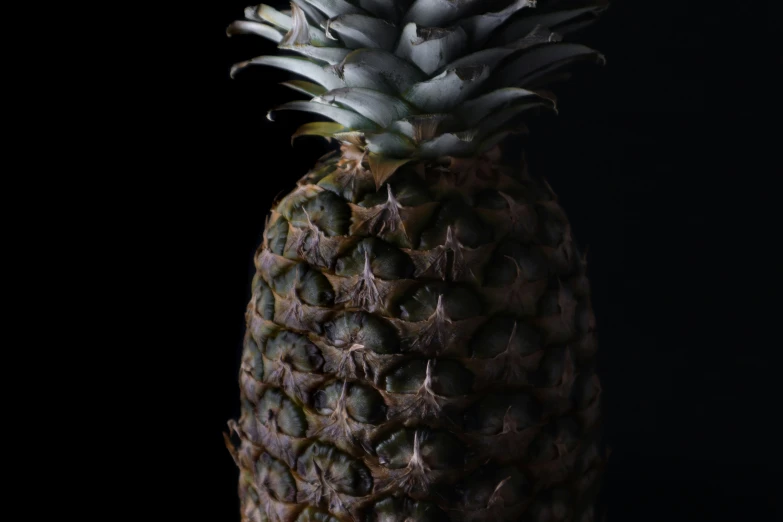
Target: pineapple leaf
(449, 144)
(332, 8)
(384, 9)
(302, 33)
(431, 48)
(480, 27)
(313, 15)
(342, 116)
(245, 27)
(363, 31)
(299, 34)
(448, 89)
(325, 129)
(488, 143)
(536, 62)
(539, 35)
(390, 144)
(309, 88)
(330, 55)
(374, 105)
(379, 70)
(351, 137)
(494, 55)
(499, 118)
(476, 139)
(488, 57)
(301, 66)
(265, 13)
(438, 13)
(562, 22)
(383, 167)
(423, 127)
(472, 111)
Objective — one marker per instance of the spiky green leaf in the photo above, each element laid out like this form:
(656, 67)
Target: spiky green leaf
(448, 89)
(431, 48)
(332, 8)
(265, 13)
(325, 129)
(449, 144)
(381, 108)
(316, 17)
(308, 88)
(536, 62)
(472, 111)
(357, 31)
(499, 118)
(302, 33)
(299, 34)
(246, 27)
(424, 127)
(308, 69)
(493, 56)
(330, 55)
(391, 11)
(439, 13)
(497, 137)
(539, 35)
(480, 27)
(379, 70)
(488, 57)
(344, 117)
(561, 22)
(390, 144)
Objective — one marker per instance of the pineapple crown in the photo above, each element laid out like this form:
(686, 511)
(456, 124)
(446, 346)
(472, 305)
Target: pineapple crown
(405, 79)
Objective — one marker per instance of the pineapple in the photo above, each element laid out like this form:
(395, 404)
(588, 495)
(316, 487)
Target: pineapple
(420, 341)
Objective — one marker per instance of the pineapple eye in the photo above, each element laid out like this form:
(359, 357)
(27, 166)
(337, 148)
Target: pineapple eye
(344, 474)
(496, 413)
(448, 378)
(277, 408)
(362, 403)
(386, 262)
(323, 402)
(459, 302)
(294, 348)
(506, 483)
(513, 256)
(368, 331)
(278, 479)
(277, 235)
(503, 333)
(471, 231)
(437, 449)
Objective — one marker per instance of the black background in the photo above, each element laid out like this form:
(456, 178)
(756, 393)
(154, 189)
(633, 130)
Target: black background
(657, 159)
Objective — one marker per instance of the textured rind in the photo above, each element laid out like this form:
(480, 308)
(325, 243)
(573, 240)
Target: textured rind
(434, 366)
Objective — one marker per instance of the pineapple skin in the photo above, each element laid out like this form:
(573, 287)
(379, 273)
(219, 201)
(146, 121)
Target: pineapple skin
(419, 351)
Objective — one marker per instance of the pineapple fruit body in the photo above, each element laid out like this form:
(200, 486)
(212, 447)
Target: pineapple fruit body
(420, 341)
(419, 352)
